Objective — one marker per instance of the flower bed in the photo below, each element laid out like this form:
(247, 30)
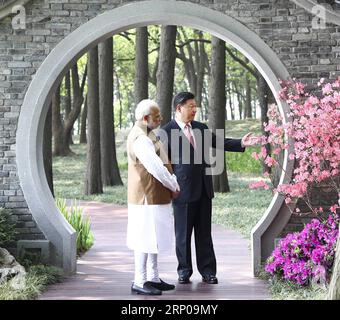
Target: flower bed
(306, 256)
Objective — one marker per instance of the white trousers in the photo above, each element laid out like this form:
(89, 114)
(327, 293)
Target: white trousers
(146, 268)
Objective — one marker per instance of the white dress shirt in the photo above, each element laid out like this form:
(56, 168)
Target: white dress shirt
(182, 125)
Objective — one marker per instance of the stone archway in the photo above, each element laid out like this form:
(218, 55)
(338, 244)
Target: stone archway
(36, 103)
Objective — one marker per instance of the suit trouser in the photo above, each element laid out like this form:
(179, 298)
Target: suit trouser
(194, 216)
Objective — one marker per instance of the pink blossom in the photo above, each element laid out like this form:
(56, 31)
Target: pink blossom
(259, 184)
(327, 89)
(314, 128)
(255, 156)
(270, 161)
(333, 208)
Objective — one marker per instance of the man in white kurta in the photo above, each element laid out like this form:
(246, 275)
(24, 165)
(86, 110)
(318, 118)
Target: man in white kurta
(151, 185)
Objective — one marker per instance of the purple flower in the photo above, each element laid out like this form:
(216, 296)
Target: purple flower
(308, 255)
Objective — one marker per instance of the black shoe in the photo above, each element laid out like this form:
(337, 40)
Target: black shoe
(183, 279)
(147, 290)
(210, 279)
(163, 286)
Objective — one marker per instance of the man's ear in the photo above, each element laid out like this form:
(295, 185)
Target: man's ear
(145, 118)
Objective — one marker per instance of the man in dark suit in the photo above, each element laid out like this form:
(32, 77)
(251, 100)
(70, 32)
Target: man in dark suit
(192, 208)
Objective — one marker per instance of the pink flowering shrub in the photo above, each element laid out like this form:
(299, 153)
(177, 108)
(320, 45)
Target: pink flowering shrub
(314, 128)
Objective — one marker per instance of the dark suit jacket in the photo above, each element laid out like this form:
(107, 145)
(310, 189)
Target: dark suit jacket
(192, 176)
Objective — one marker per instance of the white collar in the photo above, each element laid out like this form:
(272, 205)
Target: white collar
(182, 124)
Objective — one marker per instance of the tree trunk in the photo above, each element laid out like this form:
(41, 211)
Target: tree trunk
(217, 102)
(239, 99)
(109, 166)
(189, 61)
(200, 69)
(82, 138)
(47, 150)
(247, 107)
(93, 182)
(263, 91)
(141, 65)
(78, 99)
(165, 72)
(62, 132)
(60, 147)
(68, 98)
(68, 102)
(231, 107)
(120, 102)
(334, 286)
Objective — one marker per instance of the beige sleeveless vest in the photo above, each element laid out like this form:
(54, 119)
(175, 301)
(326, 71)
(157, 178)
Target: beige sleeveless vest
(141, 184)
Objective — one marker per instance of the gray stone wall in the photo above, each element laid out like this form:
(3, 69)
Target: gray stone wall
(308, 54)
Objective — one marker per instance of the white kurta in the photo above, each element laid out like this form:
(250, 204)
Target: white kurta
(151, 227)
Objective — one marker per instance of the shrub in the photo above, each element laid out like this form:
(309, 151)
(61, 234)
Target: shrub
(38, 277)
(74, 215)
(7, 227)
(306, 256)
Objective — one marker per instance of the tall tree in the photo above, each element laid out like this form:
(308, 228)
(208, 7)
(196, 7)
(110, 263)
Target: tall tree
(83, 120)
(64, 128)
(68, 101)
(166, 70)
(194, 63)
(93, 181)
(239, 98)
(57, 126)
(109, 165)
(247, 106)
(141, 82)
(217, 102)
(47, 149)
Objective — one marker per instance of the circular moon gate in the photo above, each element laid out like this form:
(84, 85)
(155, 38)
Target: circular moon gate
(33, 113)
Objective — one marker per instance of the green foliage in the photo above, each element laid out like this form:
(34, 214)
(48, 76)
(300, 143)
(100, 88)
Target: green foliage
(71, 186)
(243, 162)
(7, 227)
(241, 208)
(36, 280)
(188, 48)
(286, 290)
(74, 215)
(238, 128)
(29, 259)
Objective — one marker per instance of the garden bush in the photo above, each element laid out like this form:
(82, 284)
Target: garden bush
(307, 256)
(7, 227)
(74, 215)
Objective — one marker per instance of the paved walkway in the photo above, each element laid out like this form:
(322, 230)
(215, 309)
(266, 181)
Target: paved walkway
(106, 270)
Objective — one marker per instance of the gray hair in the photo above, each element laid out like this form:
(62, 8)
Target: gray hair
(144, 108)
